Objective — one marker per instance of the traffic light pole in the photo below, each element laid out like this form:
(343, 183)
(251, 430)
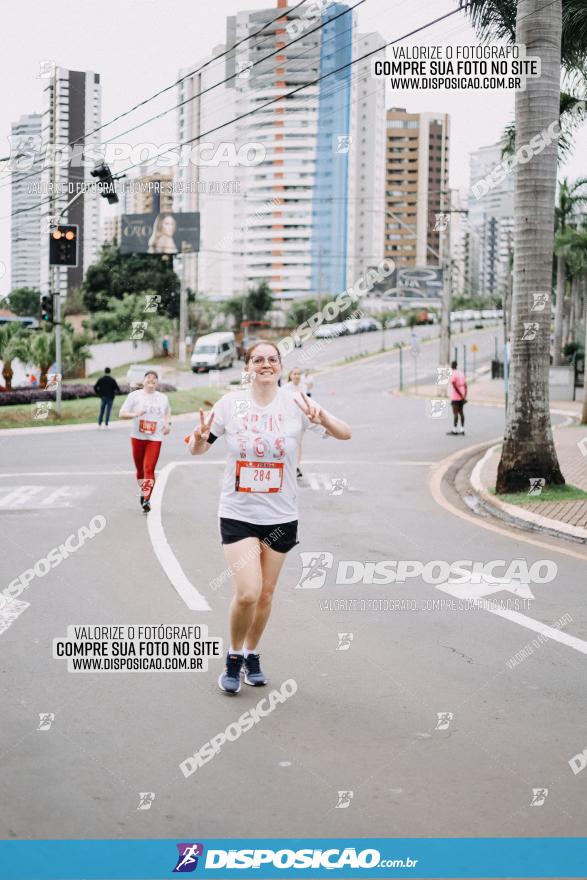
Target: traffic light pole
(56, 295)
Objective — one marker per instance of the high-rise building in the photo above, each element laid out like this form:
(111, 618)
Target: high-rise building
(149, 193)
(26, 222)
(366, 219)
(110, 229)
(459, 241)
(491, 225)
(71, 113)
(205, 181)
(292, 223)
(416, 186)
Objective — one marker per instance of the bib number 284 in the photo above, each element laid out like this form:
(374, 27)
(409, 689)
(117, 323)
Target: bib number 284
(259, 476)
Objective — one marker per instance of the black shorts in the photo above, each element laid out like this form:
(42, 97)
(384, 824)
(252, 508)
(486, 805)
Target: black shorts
(281, 537)
(457, 405)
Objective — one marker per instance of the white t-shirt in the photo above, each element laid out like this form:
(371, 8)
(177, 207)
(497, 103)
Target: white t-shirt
(150, 425)
(294, 389)
(259, 482)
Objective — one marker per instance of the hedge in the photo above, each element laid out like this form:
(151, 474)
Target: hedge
(68, 392)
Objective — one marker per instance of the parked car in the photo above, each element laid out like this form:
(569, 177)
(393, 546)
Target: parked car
(214, 352)
(327, 331)
(369, 324)
(136, 373)
(352, 325)
(393, 323)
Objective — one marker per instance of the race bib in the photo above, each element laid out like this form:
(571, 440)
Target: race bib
(147, 427)
(259, 476)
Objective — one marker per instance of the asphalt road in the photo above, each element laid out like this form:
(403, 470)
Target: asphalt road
(322, 352)
(425, 718)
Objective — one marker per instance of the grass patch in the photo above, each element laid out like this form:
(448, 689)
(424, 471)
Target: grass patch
(554, 493)
(79, 412)
(121, 371)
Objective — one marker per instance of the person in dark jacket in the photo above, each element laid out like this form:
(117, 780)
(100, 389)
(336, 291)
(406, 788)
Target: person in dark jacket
(106, 388)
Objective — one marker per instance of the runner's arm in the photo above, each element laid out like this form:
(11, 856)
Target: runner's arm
(335, 427)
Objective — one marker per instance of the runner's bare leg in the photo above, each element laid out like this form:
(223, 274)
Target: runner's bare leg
(243, 558)
(271, 565)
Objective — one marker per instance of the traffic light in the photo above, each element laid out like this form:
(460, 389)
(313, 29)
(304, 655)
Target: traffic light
(47, 309)
(63, 246)
(106, 181)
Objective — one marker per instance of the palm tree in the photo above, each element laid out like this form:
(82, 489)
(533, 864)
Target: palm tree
(569, 198)
(8, 333)
(528, 449)
(38, 347)
(572, 245)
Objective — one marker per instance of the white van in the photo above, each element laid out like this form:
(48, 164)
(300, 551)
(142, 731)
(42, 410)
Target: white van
(213, 352)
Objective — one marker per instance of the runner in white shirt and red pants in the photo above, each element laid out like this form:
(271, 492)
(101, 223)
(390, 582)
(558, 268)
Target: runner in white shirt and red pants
(263, 425)
(152, 421)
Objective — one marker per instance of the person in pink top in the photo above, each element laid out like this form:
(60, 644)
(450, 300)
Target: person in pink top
(458, 398)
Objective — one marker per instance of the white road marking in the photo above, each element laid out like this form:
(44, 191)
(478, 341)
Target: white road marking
(10, 609)
(167, 558)
(348, 461)
(469, 590)
(514, 616)
(35, 497)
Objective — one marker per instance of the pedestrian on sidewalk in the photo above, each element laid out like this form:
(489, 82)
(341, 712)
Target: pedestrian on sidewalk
(106, 388)
(458, 398)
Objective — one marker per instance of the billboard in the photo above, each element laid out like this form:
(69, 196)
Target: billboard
(411, 282)
(164, 233)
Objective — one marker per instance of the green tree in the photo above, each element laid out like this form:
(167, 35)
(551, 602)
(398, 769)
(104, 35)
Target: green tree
(234, 308)
(23, 301)
(114, 276)
(572, 245)
(116, 321)
(570, 196)
(300, 310)
(8, 335)
(38, 347)
(258, 302)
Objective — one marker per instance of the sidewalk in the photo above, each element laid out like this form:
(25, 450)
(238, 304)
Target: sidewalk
(568, 517)
(484, 391)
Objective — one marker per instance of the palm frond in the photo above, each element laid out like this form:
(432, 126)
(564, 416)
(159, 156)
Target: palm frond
(492, 19)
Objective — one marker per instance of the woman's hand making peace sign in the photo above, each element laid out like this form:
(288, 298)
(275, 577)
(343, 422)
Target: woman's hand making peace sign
(309, 409)
(202, 432)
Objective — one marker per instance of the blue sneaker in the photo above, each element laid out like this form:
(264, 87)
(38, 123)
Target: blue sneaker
(253, 674)
(230, 680)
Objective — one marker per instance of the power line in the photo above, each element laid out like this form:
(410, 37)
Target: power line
(304, 86)
(280, 97)
(193, 73)
(234, 75)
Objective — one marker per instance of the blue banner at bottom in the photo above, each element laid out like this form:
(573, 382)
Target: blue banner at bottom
(226, 859)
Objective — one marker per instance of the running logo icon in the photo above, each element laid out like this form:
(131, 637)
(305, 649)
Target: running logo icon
(187, 860)
(314, 569)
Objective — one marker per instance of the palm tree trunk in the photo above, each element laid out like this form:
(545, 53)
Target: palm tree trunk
(584, 412)
(561, 278)
(575, 308)
(528, 449)
(7, 374)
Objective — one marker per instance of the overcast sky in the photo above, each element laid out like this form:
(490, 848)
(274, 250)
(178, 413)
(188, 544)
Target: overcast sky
(138, 46)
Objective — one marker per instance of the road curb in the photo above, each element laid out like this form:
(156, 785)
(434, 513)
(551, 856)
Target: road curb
(520, 517)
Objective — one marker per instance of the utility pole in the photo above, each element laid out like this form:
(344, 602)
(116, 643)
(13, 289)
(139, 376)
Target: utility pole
(320, 278)
(444, 353)
(183, 301)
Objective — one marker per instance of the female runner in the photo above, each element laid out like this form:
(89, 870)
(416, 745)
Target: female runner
(263, 426)
(152, 420)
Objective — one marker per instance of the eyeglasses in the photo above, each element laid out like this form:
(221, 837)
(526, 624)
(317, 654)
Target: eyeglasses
(258, 360)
